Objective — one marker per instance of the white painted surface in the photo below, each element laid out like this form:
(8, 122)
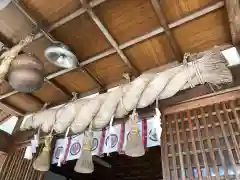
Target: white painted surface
(9, 125)
(231, 56)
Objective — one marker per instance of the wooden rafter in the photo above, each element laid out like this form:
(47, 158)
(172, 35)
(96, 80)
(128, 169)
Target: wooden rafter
(4, 117)
(163, 21)
(70, 17)
(233, 9)
(109, 37)
(11, 110)
(214, 98)
(57, 87)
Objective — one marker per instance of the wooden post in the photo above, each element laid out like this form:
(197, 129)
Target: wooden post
(233, 9)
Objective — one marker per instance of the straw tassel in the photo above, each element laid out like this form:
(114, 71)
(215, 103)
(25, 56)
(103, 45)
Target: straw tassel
(42, 163)
(134, 146)
(85, 163)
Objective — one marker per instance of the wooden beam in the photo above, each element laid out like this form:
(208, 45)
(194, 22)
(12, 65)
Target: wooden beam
(4, 117)
(96, 80)
(233, 10)
(163, 21)
(109, 37)
(210, 99)
(57, 87)
(191, 17)
(11, 110)
(70, 17)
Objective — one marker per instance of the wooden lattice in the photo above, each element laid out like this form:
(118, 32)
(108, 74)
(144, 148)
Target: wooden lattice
(202, 143)
(16, 167)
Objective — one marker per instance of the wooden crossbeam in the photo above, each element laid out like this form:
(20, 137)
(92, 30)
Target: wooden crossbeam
(163, 21)
(10, 110)
(70, 17)
(57, 87)
(109, 37)
(213, 98)
(233, 9)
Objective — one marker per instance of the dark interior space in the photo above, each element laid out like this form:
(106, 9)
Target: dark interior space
(147, 167)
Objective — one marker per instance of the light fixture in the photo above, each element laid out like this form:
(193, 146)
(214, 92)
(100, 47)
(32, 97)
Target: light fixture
(232, 56)
(61, 56)
(4, 4)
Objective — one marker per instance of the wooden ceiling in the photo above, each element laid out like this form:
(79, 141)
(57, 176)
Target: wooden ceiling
(119, 36)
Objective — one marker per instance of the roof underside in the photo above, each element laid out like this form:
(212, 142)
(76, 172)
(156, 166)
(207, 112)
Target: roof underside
(133, 24)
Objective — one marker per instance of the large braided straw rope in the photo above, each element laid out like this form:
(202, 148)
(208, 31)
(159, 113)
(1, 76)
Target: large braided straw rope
(10, 54)
(206, 67)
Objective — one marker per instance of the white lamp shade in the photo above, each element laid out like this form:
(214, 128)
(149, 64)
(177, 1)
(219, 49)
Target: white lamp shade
(61, 56)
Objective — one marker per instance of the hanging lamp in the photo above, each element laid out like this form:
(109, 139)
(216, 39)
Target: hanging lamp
(60, 55)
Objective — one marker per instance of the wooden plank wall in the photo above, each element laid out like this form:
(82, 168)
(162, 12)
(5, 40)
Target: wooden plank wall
(16, 167)
(202, 143)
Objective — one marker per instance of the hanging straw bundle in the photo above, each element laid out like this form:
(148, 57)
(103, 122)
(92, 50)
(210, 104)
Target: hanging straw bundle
(42, 163)
(85, 162)
(134, 146)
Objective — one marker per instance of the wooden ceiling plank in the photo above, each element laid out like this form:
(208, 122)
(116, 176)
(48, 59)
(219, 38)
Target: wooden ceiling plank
(70, 17)
(163, 21)
(96, 80)
(109, 37)
(130, 43)
(233, 9)
(11, 110)
(57, 87)
(5, 118)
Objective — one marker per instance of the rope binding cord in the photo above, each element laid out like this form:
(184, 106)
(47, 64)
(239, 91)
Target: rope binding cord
(128, 78)
(186, 66)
